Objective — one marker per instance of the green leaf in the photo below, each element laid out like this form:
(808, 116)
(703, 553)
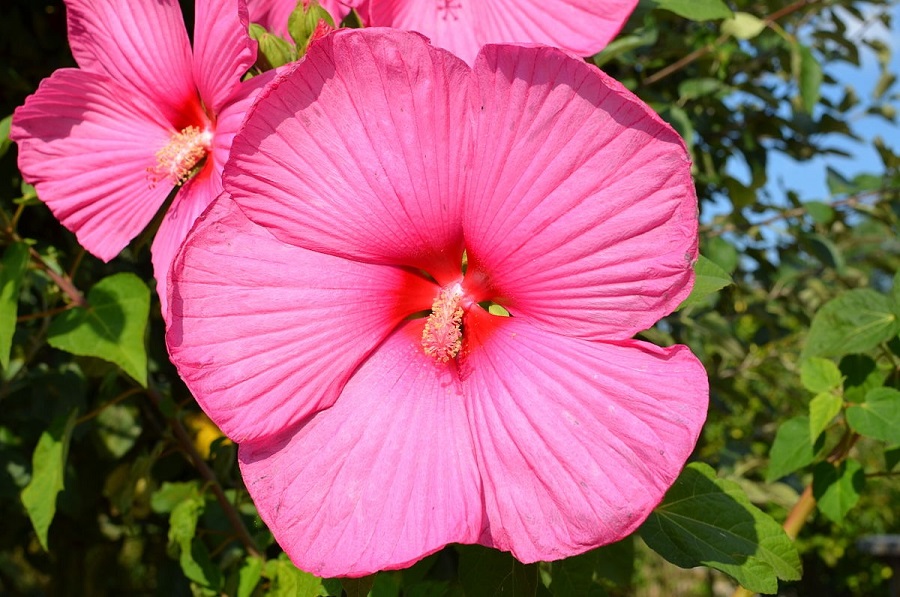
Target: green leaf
(487, 572)
(820, 375)
(837, 488)
(708, 521)
(111, 328)
(822, 409)
(695, 10)
(249, 575)
(808, 73)
(879, 416)
(743, 25)
(625, 43)
(12, 271)
(821, 213)
(289, 581)
(860, 375)
(693, 88)
(193, 555)
(792, 449)
(856, 321)
(5, 141)
(48, 474)
(709, 279)
(170, 495)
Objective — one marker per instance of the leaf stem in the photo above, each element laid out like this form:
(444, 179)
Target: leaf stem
(185, 443)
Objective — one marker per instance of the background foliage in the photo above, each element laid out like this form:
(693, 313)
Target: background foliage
(113, 482)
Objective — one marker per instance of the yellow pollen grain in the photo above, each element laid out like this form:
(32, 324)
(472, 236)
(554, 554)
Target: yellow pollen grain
(176, 161)
(442, 336)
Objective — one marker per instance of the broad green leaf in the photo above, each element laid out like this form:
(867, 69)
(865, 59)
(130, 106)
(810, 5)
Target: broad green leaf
(722, 253)
(879, 416)
(856, 321)
(839, 185)
(708, 521)
(193, 555)
(695, 10)
(821, 213)
(112, 326)
(837, 488)
(487, 572)
(825, 251)
(709, 278)
(248, 576)
(860, 375)
(12, 270)
(289, 581)
(48, 474)
(385, 584)
(792, 448)
(625, 43)
(808, 73)
(743, 25)
(822, 409)
(820, 375)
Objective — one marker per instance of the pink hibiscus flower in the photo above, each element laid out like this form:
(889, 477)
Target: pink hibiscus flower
(382, 196)
(274, 14)
(583, 27)
(104, 144)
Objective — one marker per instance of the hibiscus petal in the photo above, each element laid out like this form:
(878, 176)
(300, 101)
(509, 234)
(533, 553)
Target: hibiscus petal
(463, 26)
(381, 479)
(265, 333)
(274, 14)
(581, 209)
(223, 50)
(141, 44)
(577, 441)
(358, 150)
(86, 145)
(192, 199)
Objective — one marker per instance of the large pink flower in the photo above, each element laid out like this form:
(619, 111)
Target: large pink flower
(274, 14)
(583, 27)
(105, 144)
(324, 318)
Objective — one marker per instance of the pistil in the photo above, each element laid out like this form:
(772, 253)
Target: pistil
(442, 336)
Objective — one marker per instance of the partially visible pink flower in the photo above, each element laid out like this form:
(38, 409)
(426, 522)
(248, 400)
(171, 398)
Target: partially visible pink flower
(381, 179)
(583, 27)
(274, 14)
(104, 144)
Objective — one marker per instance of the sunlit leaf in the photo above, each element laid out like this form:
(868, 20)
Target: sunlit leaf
(856, 321)
(48, 474)
(112, 326)
(743, 25)
(709, 279)
(792, 448)
(12, 270)
(822, 410)
(820, 375)
(837, 488)
(289, 581)
(879, 416)
(708, 521)
(695, 10)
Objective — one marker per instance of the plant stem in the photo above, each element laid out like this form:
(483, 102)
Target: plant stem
(187, 445)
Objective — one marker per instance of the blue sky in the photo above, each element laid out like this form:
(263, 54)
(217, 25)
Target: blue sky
(807, 178)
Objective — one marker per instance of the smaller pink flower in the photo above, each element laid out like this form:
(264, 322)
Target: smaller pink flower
(331, 310)
(274, 14)
(105, 144)
(583, 27)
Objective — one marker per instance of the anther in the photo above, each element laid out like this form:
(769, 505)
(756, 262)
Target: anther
(442, 336)
(176, 161)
